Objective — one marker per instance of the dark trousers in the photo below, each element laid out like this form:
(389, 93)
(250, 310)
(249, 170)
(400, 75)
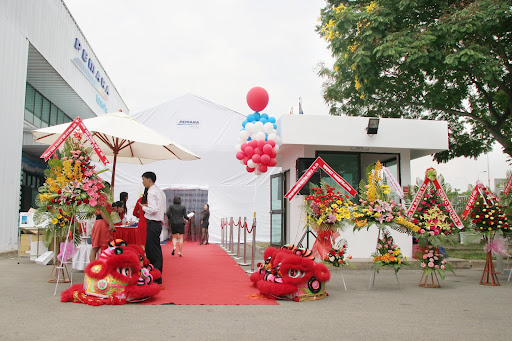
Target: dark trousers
(153, 248)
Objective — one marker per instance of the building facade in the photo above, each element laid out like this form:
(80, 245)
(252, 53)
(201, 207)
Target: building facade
(50, 75)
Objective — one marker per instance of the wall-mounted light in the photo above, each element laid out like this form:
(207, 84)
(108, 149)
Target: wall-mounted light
(373, 126)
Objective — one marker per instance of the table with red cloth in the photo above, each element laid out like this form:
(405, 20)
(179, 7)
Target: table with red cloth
(126, 233)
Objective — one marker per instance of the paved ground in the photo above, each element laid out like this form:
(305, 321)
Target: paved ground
(460, 310)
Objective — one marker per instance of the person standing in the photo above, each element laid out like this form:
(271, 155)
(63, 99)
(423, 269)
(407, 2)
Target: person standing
(124, 198)
(139, 213)
(205, 222)
(177, 214)
(102, 231)
(154, 211)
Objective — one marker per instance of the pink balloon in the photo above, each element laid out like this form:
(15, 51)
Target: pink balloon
(242, 146)
(245, 160)
(257, 98)
(253, 143)
(261, 143)
(273, 153)
(265, 159)
(267, 149)
(258, 151)
(249, 169)
(272, 162)
(270, 142)
(262, 168)
(256, 158)
(240, 155)
(249, 151)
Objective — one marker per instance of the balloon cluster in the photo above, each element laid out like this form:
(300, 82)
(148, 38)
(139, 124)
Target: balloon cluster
(258, 143)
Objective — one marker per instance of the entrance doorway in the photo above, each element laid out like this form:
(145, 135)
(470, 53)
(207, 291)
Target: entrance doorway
(194, 201)
(277, 210)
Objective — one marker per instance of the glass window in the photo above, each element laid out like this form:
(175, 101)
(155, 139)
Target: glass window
(46, 113)
(29, 117)
(38, 109)
(53, 115)
(30, 93)
(60, 118)
(346, 165)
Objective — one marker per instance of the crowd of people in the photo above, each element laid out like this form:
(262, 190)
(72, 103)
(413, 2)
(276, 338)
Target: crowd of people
(150, 210)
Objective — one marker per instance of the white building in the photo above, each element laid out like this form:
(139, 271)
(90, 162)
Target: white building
(345, 144)
(50, 75)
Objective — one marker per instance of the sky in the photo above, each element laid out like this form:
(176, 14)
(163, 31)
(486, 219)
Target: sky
(154, 51)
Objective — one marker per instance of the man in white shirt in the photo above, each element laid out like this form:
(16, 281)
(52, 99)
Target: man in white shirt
(154, 211)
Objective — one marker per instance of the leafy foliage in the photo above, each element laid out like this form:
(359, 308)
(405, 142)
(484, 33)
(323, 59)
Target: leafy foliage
(429, 59)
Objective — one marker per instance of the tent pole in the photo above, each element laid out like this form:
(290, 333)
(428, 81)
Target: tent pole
(113, 172)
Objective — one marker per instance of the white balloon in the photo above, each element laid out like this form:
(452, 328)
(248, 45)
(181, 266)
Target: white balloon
(258, 126)
(238, 147)
(268, 127)
(257, 171)
(244, 134)
(249, 127)
(242, 162)
(278, 140)
(259, 136)
(251, 163)
(276, 147)
(272, 136)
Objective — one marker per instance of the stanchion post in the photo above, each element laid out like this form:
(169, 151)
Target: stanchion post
(245, 243)
(231, 222)
(238, 245)
(253, 243)
(222, 232)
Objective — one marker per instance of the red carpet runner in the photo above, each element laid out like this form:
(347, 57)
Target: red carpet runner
(205, 275)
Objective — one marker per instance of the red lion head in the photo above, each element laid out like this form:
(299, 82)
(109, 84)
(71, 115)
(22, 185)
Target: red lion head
(291, 273)
(117, 277)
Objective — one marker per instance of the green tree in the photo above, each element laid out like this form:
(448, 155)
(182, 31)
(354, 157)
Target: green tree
(426, 59)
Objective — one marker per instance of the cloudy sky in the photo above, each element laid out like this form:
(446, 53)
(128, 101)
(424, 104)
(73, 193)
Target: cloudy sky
(157, 50)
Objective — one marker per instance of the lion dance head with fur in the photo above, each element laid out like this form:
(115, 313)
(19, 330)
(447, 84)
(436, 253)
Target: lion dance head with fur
(117, 277)
(291, 273)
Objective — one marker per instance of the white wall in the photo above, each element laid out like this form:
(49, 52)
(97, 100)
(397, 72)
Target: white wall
(48, 26)
(13, 66)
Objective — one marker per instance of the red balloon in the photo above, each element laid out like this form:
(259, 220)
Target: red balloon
(272, 162)
(257, 98)
(246, 159)
(265, 159)
(253, 143)
(273, 153)
(256, 158)
(270, 142)
(240, 155)
(261, 143)
(262, 168)
(258, 151)
(267, 149)
(249, 151)
(249, 169)
(242, 146)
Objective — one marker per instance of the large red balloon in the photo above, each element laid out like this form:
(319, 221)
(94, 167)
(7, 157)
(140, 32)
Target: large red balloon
(257, 98)
(240, 155)
(265, 159)
(272, 162)
(249, 169)
(253, 143)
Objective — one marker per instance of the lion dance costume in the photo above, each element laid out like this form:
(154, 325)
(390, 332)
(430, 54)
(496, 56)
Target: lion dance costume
(121, 274)
(291, 273)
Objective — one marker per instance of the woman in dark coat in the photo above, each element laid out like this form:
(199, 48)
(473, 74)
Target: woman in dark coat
(177, 214)
(205, 222)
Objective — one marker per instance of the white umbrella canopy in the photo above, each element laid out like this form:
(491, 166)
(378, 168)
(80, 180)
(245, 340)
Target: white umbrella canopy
(122, 139)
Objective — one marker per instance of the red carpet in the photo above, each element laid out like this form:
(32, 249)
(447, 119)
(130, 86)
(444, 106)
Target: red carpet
(205, 275)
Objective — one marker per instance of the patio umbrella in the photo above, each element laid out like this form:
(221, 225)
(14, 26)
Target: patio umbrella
(122, 139)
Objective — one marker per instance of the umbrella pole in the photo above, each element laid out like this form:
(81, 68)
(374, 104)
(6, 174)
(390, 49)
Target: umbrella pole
(113, 173)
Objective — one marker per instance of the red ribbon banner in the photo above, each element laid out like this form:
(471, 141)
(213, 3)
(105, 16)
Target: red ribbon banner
(55, 145)
(414, 205)
(471, 202)
(309, 173)
(77, 122)
(509, 183)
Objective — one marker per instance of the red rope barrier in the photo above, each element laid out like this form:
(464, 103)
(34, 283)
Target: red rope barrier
(247, 227)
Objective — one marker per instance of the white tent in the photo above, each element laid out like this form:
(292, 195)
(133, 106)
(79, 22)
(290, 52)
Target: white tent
(210, 131)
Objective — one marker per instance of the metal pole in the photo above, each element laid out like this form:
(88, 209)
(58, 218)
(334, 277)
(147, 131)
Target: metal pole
(231, 222)
(238, 245)
(221, 232)
(245, 243)
(253, 243)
